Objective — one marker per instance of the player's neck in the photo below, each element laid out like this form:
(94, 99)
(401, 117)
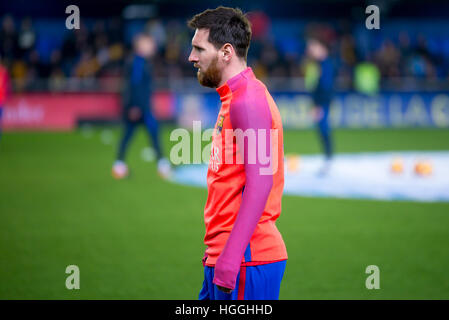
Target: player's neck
(232, 70)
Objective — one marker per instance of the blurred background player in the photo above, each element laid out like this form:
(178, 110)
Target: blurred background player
(136, 105)
(4, 88)
(318, 52)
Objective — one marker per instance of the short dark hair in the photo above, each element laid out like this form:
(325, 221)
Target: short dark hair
(226, 25)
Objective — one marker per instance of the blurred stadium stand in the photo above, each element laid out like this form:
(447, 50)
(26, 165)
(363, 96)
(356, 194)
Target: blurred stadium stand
(43, 55)
(410, 51)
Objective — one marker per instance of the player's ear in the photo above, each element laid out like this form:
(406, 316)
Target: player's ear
(226, 52)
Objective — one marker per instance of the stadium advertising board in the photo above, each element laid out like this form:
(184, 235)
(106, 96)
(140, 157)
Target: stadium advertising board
(43, 111)
(63, 111)
(348, 110)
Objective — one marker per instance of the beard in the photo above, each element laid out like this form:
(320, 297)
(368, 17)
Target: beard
(211, 77)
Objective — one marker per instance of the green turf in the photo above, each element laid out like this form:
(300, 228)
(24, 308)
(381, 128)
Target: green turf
(141, 238)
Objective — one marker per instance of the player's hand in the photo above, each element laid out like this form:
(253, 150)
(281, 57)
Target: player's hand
(134, 114)
(225, 290)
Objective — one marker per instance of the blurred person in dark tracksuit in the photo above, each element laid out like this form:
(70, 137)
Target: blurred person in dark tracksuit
(136, 106)
(318, 51)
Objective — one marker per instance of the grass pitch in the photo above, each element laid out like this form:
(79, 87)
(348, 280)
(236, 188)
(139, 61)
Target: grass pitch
(141, 238)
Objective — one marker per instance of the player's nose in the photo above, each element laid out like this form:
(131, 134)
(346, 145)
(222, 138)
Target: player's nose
(192, 57)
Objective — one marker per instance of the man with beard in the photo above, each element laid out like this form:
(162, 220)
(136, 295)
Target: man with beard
(246, 255)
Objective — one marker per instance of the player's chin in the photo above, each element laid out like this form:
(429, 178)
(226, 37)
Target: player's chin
(201, 78)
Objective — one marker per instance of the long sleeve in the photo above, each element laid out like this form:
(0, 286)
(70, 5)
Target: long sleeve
(247, 113)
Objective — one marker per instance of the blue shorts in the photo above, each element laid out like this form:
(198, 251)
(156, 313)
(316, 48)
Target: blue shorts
(260, 282)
